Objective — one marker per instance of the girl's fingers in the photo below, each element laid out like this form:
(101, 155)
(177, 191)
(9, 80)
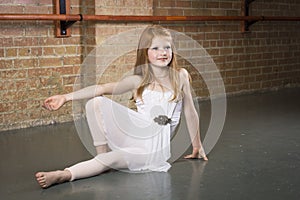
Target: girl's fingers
(48, 107)
(45, 106)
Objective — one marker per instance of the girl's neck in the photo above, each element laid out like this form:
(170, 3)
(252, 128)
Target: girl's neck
(161, 77)
(160, 72)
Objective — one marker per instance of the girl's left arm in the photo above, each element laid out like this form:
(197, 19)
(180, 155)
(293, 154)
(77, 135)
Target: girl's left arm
(192, 118)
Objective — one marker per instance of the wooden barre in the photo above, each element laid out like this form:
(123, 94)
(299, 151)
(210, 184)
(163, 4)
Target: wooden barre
(131, 18)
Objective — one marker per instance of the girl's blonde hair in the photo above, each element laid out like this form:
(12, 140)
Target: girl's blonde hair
(142, 65)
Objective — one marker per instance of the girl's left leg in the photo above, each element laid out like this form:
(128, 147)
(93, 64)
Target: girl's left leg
(94, 115)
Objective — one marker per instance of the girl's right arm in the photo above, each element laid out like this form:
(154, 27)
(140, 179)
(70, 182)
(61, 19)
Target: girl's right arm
(127, 84)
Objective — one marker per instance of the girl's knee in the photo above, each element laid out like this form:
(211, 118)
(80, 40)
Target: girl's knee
(112, 159)
(94, 103)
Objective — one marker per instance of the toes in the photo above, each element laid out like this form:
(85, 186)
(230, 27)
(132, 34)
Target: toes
(203, 157)
(39, 174)
(41, 181)
(186, 157)
(40, 177)
(189, 157)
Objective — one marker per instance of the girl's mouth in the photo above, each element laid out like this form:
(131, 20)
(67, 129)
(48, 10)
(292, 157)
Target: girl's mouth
(162, 59)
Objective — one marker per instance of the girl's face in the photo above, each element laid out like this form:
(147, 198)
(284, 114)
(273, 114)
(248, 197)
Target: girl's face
(160, 52)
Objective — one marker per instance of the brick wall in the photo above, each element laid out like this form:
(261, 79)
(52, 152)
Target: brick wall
(266, 58)
(34, 64)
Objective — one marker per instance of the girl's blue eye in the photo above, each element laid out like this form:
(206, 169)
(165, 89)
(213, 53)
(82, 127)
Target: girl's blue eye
(157, 48)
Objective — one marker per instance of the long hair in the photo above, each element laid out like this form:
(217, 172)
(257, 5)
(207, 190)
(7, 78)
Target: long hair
(142, 66)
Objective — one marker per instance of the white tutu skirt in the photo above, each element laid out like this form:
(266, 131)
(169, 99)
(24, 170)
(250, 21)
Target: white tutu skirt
(143, 143)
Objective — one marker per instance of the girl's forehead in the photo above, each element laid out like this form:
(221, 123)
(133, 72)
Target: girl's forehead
(161, 40)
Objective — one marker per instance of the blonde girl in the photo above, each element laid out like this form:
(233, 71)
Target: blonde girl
(139, 140)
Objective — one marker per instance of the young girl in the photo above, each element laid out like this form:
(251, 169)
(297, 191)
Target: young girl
(124, 138)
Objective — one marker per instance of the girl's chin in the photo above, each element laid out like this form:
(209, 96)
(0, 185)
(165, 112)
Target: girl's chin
(160, 64)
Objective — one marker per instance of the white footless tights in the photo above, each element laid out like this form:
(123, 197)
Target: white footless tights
(103, 161)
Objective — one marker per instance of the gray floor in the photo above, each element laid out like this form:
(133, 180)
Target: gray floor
(256, 157)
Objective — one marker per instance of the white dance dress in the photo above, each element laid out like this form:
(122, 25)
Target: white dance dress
(143, 143)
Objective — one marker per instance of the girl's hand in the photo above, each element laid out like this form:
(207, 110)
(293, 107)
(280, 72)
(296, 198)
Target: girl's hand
(54, 102)
(197, 153)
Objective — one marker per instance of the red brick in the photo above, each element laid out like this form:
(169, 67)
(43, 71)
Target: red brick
(243, 72)
(184, 4)
(10, 8)
(50, 62)
(226, 51)
(26, 63)
(25, 41)
(167, 3)
(255, 71)
(13, 74)
(212, 36)
(237, 80)
(11, 52)
(37, 72)
(232, 73)
(6, 42)
(212, 5)
(226, 5)
(71, 60)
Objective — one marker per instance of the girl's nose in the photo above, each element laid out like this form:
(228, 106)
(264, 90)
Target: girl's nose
(163, 52)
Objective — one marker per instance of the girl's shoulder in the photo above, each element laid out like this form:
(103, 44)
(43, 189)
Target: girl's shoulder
(184, 75)
(132, 81)
(183, 72)
(134, 78)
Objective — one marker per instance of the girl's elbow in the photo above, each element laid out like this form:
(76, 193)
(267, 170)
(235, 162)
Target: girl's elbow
(99, 90)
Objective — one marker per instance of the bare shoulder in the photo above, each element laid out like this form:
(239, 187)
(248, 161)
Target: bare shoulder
(184, 76)
(134, 80)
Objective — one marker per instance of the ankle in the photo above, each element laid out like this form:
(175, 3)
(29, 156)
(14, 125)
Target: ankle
(65, 175)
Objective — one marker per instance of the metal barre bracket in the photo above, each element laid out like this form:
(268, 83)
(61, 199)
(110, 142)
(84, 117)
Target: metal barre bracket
(63, 27)
(245, 12)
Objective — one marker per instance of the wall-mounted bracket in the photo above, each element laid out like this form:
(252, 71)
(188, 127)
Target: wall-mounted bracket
(62, 7)
(245, 13)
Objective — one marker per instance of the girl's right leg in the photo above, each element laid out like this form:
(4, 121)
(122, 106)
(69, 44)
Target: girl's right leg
(46, 179)
(97, 165)
(96, 125)
(93, 167)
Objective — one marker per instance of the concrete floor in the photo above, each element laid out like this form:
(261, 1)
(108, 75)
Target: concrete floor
(257, 157)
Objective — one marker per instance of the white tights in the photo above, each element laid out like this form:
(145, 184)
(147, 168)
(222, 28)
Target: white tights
(103, 161)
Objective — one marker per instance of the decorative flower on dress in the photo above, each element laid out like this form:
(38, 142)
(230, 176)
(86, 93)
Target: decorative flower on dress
(162, 120)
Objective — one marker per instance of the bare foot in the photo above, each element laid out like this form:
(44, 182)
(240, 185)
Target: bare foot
(46, 179)
(197, 153)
